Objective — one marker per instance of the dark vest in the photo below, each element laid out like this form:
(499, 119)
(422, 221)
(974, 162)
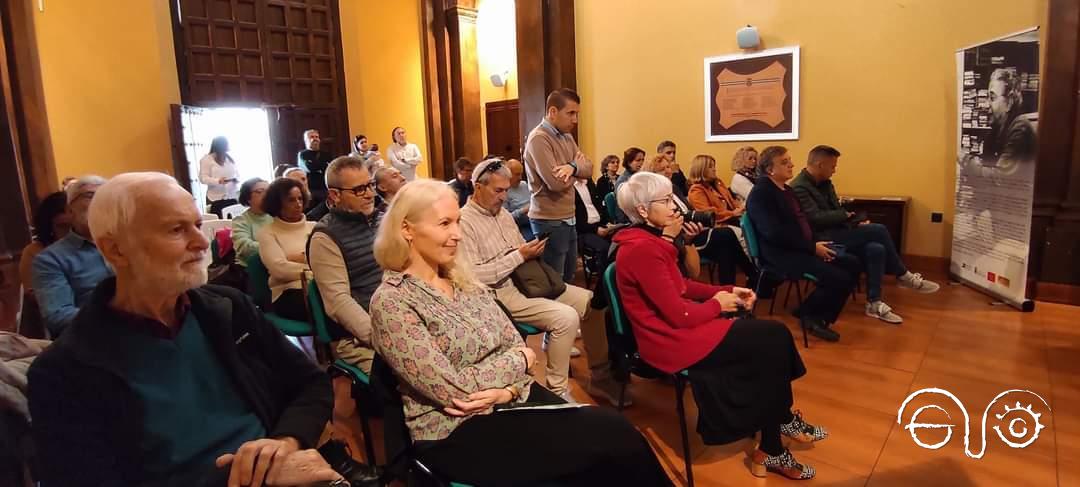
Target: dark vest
(355, 237)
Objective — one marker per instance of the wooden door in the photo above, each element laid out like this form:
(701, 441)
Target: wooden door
(504, 135)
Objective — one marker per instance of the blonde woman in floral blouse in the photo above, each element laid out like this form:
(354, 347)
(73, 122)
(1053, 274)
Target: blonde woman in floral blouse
(458, 359)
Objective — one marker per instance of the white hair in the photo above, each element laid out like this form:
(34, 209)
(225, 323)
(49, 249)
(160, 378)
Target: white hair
(291, 170)
(78, 186)
(113, 208)
(642, 188)
(480, 177)
(310, 131)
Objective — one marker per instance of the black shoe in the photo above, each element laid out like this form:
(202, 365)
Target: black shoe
(820, 330)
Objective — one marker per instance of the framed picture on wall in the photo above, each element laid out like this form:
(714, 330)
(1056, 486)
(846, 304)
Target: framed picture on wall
(752, 96)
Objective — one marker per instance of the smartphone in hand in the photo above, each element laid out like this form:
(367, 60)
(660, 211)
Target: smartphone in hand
(543, 236)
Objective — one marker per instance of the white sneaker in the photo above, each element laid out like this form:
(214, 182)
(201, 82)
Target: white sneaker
(915, 281)
(882, 311)
(574, 352)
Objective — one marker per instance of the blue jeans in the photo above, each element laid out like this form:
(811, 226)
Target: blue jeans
(873, 245)
(561, 250)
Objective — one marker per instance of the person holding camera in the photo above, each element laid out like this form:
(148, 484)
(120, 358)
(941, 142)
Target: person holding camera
(741, 369)
(715, 242)
(217, 171)
(869, 241)
(788, 243)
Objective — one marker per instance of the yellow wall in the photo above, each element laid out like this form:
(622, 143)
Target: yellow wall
(108, 84)
(383, 71)
(496, 46)
(878, 82)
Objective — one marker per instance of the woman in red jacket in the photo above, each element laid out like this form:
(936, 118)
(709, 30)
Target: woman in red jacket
(741, 370)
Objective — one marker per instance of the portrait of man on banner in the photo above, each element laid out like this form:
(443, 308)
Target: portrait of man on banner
(752, 96)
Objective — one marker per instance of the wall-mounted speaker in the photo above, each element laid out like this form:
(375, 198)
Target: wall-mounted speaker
(748, 37)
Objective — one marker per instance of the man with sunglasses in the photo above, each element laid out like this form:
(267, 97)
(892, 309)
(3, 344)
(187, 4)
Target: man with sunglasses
(341, 258)
(65, 273)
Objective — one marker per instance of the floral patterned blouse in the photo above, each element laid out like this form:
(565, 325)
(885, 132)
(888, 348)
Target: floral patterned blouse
(442, 348)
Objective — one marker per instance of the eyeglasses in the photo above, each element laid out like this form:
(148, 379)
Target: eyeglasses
(358, 190)
(670, 200)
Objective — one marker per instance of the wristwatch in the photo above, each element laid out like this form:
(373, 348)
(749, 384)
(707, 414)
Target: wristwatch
(341, 482)
(515, 392)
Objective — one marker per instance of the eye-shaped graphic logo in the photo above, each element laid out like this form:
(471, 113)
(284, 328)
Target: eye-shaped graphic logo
(1018, 427)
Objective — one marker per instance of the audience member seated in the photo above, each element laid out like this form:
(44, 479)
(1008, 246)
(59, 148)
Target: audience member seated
(163, 381)
(403, 155)
(787, 242)
(741, 370)
(593, 226)
(491, 244)
(52, 222)
(318, 210)
(313, 161)
(552, 159)
(744, 164)
(870, 242)
(341, 258)
(64, 274)
(517, 198)
(633, 159)
(462, 182)
(247, 224)
(606, 182)
(708, 193)
(678, 178)
(280, 169)
(388, 181)
(718, 244)
(217, 171)
(458, 357)
(368, 152)
(282, 246)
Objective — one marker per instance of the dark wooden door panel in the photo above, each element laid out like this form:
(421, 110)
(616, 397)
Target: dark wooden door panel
(504, 135)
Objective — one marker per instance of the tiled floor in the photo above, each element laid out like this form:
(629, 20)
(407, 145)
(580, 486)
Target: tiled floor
(953, 340)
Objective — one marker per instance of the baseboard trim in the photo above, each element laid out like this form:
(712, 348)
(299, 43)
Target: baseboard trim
(1054, 292)
(927, 264)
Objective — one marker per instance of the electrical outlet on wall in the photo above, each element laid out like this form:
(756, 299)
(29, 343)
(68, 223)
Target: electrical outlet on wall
(936, 217)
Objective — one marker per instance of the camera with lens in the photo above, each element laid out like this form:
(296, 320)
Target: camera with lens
(706, 219)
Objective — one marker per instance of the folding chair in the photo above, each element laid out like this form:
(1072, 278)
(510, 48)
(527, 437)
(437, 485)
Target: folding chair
(259, 289)
(765, 269)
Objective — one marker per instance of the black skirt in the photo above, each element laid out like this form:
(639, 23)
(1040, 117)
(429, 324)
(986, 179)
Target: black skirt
(744, 384)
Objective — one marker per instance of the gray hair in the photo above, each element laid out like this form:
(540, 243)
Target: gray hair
(77, 187)
(382, 173)
(113, 208)
(642, 188)
(481, 177)
(1012, 83)
(339, 164)
(308, 131)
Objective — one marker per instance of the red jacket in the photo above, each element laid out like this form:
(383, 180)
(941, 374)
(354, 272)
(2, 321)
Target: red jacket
(675, 320)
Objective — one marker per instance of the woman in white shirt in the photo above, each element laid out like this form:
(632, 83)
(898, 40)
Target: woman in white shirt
(282, 246)
(217, 171)
(744, 163)
(403, 155)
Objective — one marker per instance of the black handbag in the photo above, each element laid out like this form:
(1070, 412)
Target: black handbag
(535, 279)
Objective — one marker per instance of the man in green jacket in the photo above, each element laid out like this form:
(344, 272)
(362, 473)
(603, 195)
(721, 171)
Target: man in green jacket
(870, 242)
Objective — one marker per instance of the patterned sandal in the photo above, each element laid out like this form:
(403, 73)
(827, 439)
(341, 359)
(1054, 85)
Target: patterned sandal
(801, 431)
(784, 464)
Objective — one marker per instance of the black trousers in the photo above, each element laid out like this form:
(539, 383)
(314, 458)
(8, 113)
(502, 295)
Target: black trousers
(744, 385)
(217, 206)
(585, 446)
(291, 305)
(835, 280)
(722, 246)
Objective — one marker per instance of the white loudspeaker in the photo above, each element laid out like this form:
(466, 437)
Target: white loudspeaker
(499, 79)
(747, 37)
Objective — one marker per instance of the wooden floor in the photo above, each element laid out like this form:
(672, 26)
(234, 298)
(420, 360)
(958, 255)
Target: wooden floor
(953, 340)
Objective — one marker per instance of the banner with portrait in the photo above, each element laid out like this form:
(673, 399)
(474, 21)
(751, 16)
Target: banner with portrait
(752, 96)
(995, 170)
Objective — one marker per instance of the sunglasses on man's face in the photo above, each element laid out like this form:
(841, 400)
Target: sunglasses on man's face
(357, 190)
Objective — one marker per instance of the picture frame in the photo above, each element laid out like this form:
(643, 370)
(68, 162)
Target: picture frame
(752, 96)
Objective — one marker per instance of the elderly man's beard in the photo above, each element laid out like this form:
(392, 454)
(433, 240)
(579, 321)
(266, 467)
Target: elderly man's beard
(166, 279)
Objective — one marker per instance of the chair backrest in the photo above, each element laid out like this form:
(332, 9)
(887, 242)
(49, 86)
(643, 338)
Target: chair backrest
(232, 211)
(318, 314)
(258, 281)
(211, 227)
(612, 206)
(397, 441)
(751, 236)
(621, 324)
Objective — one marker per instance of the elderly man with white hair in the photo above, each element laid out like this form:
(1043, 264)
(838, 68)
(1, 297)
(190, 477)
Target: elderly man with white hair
(492, 244)
(161, 380)
(64, 274)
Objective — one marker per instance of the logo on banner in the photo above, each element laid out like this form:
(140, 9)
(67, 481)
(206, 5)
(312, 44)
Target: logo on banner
(1018, 427)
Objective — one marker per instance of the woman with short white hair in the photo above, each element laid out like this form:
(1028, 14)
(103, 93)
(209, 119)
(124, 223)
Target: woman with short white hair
(460, 360)
(740, 368)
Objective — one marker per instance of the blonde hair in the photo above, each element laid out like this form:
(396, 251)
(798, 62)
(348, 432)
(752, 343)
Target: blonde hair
(698, 166)
(738, 161)
(653, 163)
(411, 204)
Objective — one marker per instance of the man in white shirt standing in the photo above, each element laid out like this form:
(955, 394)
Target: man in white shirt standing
(403, 155)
